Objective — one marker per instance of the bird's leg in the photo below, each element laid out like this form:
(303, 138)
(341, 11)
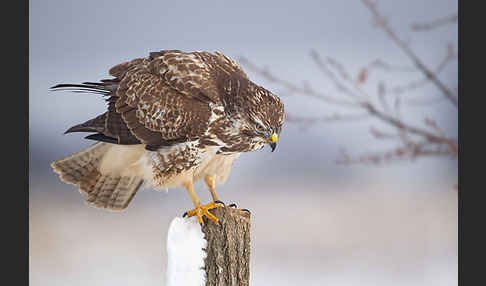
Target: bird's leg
(200, 210)
(211, 183)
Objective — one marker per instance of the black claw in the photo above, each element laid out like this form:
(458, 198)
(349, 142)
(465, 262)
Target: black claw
(220, 202)
(184, 215)
(233, 205)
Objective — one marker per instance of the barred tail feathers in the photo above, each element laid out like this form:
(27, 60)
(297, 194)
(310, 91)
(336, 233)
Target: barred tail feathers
(113, 192)
(75, 168)
(103, 173)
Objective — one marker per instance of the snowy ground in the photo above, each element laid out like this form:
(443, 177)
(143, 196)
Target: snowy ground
(378, 235)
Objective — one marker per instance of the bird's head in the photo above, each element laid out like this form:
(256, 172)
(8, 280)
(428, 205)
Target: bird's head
(265, 118)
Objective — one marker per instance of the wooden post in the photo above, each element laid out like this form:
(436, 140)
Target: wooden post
(228, 248)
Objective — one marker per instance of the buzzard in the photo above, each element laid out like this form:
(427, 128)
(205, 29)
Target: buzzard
(173, 118)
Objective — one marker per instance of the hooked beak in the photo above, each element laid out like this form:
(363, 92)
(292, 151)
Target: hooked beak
(273, 146)
(273, 141)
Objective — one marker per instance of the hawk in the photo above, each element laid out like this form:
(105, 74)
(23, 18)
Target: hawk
(173, 118)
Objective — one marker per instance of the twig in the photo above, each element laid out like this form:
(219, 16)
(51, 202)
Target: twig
(434, 24)
(383, 23)
(403, 127)
(417, 84)
(291, 87)
(323, 67)
(411, 129)
(415, 141)
(381, 64)
(411, 150)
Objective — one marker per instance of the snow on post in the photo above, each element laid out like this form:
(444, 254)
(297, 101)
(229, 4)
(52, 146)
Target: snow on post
(211, 254)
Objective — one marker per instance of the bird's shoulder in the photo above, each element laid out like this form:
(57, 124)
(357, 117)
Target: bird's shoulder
(198, 75)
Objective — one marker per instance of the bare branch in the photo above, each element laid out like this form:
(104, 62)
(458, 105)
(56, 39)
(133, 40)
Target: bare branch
(345, 75)
(382, 135)
(433, 124)
(291, 87)
(411, 151)
(381, 64)
(382, 96)
(323, 67)
(383, 23)
(420, 83)
(451, 19)
(415, 141)
(406, 127)
(370, 108)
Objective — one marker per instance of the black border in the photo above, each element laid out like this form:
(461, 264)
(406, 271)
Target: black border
(15, 133)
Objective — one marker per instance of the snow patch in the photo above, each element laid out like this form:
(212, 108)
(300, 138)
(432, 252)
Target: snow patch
(185, 243)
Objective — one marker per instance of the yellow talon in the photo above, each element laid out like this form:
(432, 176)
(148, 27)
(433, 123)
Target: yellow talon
(201, 211)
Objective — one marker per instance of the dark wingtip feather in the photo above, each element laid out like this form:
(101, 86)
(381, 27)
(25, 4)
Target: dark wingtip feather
(96, 124)
(69, 130)
(58, 86)
(78, 128)
(85, 87)
(101, 137)
(69, 85)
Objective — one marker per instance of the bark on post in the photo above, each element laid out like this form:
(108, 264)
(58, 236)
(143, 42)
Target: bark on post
(228, 249)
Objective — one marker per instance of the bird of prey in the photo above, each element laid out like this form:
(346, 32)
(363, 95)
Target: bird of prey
(173, 118)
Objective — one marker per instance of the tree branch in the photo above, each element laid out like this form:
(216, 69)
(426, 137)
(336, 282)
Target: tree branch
(383, 23)
(291, 87)
(435, 24)
(415, 141)
(416, 84)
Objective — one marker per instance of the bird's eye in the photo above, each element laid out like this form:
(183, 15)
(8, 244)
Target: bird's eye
(260, 128)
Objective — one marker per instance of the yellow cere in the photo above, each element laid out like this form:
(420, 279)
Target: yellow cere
(274, 138)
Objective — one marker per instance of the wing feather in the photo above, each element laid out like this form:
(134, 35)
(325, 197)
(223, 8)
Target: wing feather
(167, 96)
(154, 111)
(199, 75)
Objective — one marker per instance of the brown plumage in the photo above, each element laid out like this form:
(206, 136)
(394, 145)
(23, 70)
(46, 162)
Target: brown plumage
(173, 118)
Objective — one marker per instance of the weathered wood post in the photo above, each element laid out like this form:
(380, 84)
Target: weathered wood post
(228, 249)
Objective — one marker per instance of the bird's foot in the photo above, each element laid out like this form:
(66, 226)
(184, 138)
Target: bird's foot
(201, 211)
(233, 205)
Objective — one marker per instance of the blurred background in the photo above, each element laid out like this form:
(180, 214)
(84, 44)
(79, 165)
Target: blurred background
(314, 221)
